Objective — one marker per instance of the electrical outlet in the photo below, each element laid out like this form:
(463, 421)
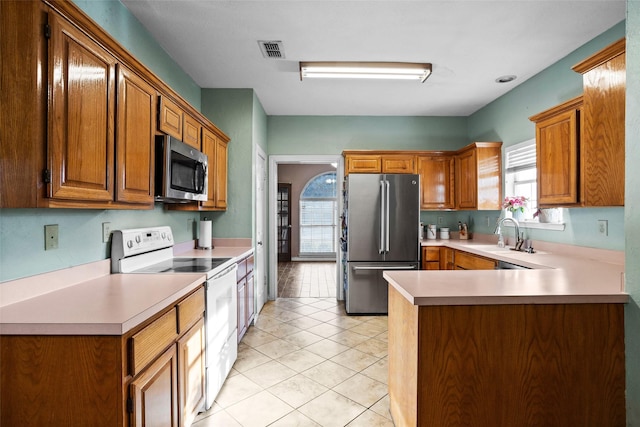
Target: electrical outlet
(106, 231)
(603, 227)
(440, 220)
(50, 237)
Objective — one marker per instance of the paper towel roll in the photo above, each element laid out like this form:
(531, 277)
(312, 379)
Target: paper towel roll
(204, 236)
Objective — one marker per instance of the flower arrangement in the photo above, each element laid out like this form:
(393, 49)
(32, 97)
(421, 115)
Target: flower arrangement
(514, 203)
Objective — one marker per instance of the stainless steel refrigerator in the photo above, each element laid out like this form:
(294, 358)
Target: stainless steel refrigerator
(380, 232)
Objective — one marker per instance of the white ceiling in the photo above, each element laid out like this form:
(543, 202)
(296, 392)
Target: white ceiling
(469, 43)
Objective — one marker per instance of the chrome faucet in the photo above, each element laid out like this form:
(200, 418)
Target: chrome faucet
(519, 239)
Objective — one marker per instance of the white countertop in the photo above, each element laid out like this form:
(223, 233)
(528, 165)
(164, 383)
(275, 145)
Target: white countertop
(87, 300)
(579, 276)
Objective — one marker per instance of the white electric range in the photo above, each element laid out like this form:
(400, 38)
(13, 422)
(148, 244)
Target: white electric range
(150, 251)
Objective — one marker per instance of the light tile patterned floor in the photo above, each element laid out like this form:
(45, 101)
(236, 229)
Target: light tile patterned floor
(307, 363)
(315, 279)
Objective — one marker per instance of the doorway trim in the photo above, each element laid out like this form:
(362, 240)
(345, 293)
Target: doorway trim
(274, 161)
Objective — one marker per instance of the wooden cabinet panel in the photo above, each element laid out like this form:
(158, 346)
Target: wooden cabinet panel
(436, 182)
(81, 117)
(155, 393)
(363, 163)
(399, 163)
(171, 117)
(135, 131)
(557, 139)
(220, 174)
(466, 180)
(191, 132)
(467, 261)
(478, 179)
(447, 258)
(191, 372)
(149, 342)
(430, 258)
(603, 140)
(190, 310)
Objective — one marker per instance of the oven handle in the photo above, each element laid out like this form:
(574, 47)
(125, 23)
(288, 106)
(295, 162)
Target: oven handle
(224, 272)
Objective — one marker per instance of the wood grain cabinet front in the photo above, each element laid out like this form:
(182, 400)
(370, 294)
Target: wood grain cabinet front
(367, 161)
(436, 182)
(478, 176)
(467, 261)
(170, 118)
(430, 258)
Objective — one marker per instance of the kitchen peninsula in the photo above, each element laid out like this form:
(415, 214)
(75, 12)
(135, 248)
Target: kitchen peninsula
(534, 347)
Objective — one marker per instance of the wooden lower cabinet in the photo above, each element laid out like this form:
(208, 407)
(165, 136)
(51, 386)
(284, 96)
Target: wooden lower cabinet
(552, 365)
(154, 393)
(447, 258)
(191, 372)
(430, 258)
(466, 261)
(150, 376)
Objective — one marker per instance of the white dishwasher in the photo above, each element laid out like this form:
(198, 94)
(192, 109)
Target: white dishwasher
(221, 329)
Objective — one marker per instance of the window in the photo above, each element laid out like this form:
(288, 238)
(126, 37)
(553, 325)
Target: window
(521, 180)
(319, 216)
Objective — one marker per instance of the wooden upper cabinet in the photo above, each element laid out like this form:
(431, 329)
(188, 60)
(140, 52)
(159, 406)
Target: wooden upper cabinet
(399, 163)
(81, 116)
(379, 162)
(220, 174)
(191, 131)
(363, 163)
(436, 182)
(478, 176)
(557, 149)
(216, 150)
(171, 118)
(135, 131)
(602, 154)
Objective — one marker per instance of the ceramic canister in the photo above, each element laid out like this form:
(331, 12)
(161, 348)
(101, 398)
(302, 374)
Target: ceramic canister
(444, 233)
(431, 231)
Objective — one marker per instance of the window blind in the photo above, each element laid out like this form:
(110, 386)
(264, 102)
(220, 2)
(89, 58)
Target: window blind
(521, 156)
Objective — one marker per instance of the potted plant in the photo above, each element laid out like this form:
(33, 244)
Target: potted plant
(515, 205)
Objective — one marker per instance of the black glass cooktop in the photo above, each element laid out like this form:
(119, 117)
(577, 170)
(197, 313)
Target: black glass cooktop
(184, 265)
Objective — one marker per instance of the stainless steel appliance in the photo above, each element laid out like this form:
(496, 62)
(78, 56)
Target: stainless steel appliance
(181, 171)
(380, 230)
(150, 250)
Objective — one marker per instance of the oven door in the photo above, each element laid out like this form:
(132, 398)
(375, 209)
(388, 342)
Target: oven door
(221, 329)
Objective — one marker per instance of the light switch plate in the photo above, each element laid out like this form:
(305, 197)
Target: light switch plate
(603, 227)
(50, 237)
(106, 231)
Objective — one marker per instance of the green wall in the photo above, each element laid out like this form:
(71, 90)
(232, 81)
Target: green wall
(632, 218)
(233, 111)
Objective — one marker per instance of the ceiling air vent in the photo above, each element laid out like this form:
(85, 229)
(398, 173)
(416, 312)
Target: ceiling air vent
(271, 49)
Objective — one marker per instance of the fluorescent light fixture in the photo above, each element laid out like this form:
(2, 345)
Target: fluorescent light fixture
(365, 70)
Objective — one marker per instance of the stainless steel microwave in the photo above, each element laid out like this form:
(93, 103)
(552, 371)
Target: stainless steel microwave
(181, 171)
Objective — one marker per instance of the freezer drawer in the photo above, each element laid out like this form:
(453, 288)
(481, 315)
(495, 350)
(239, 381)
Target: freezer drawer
(367, 291)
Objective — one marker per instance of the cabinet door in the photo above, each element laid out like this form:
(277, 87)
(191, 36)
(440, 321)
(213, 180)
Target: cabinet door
(399, 163)
(249, 298)
(209, 141)
(191, 132)
(557, 159)
(154, 393)
(191, 373)
(242, 289)
(220, 173)
(436, 182)
(466, 180)
(135, 138)
(430, 258)
(170, 120)
(446, 258)
(81, 115)
(363, 163)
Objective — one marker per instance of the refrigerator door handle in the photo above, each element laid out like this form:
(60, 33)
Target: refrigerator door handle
(381, 267)
(381, 249)
(386, 217)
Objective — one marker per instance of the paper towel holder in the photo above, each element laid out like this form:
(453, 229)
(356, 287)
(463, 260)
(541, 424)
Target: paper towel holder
(204, 235)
